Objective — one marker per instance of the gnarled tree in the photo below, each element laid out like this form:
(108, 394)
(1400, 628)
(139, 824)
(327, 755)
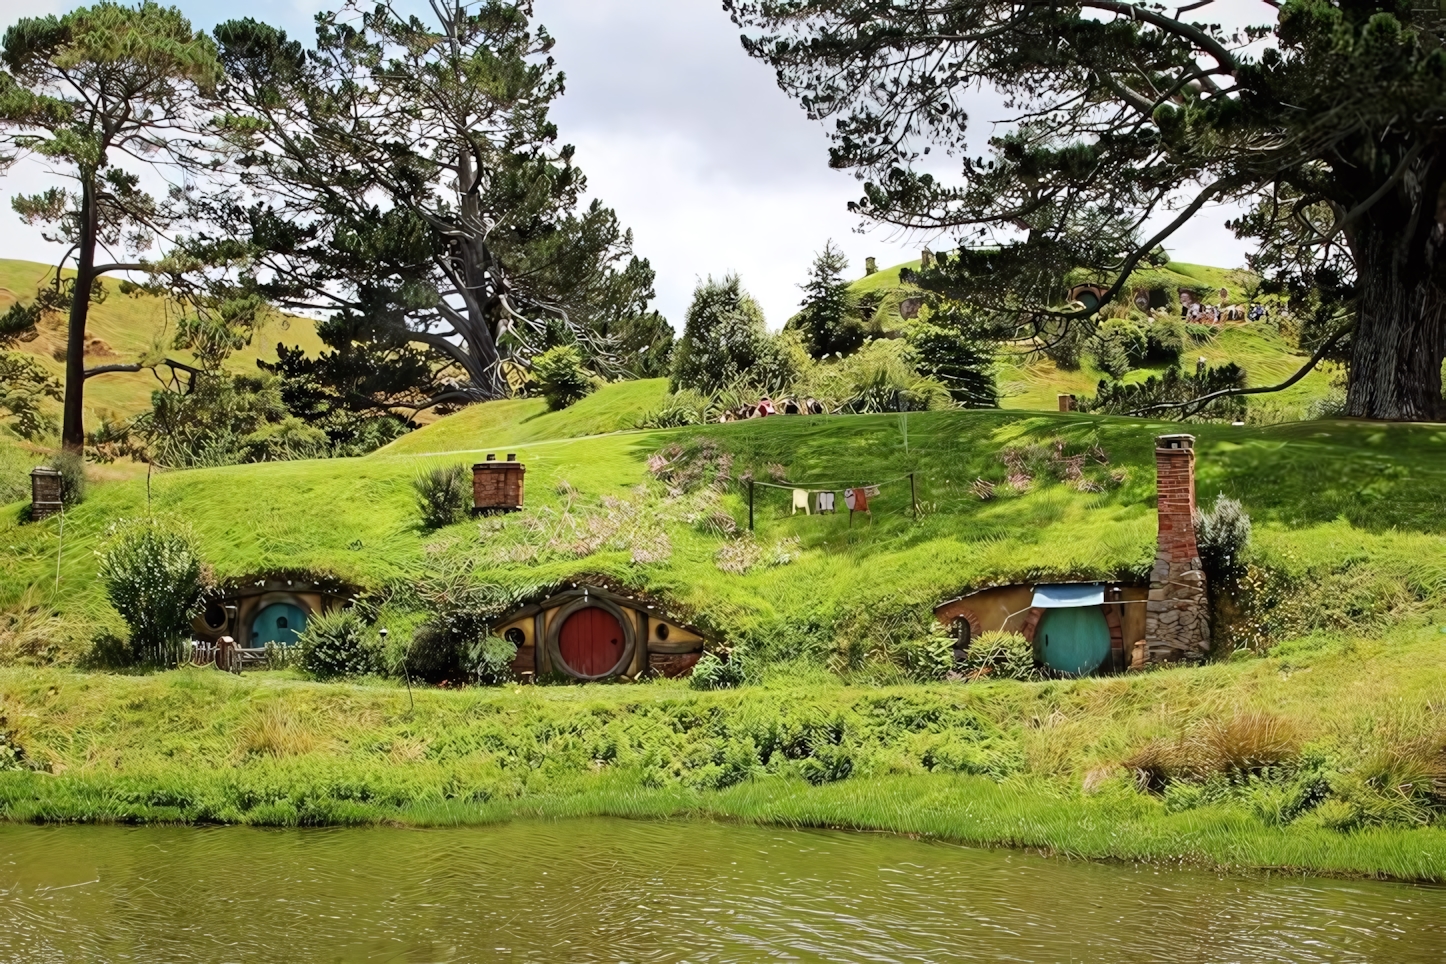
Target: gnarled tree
(1332, 114)
(405, 176)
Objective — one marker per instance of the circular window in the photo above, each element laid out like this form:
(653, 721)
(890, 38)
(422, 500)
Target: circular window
(662, 630)
(591, 642)
(279, 623)
(215, 616)
(515, 636)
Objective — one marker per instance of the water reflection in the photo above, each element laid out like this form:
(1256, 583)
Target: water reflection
(610, 890)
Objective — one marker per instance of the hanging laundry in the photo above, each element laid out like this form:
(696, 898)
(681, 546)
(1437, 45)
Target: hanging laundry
(800, 501)
(856, 499)
(824, 501)
(872, 491)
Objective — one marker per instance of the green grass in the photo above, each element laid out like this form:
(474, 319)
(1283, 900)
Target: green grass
(1350, 513)
(1267, 358)
(130, 326)
(480, 428)
(997, 763)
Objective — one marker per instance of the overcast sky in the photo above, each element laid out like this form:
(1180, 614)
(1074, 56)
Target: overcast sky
(685, 136)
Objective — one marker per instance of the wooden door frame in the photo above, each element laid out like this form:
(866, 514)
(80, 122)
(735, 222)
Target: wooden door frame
(563, 613)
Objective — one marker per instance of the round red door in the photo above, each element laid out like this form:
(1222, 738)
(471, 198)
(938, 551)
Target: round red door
(591, 642)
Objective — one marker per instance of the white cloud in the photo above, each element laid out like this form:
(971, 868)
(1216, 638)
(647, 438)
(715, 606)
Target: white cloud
(691, 141)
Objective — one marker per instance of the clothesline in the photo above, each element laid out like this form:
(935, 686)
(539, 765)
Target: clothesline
(825, 485)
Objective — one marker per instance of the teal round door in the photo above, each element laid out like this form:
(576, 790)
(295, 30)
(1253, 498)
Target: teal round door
(1074, 641)
(278, 623)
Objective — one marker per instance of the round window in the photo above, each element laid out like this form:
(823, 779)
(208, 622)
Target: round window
(515, 636)
(215, 616)
(662, 630)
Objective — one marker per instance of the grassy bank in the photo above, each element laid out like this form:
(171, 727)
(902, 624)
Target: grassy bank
(1049, 765)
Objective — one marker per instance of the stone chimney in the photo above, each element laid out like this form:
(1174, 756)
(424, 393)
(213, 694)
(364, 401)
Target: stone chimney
(926, 259)
(870, 266)
(1177, 617)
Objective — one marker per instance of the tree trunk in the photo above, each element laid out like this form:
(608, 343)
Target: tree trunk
(72, 432)
(1400, 337)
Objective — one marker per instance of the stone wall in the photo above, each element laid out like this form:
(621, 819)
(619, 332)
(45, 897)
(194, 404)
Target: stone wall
(1177, 615)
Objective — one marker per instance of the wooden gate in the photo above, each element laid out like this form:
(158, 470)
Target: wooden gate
(591, 642)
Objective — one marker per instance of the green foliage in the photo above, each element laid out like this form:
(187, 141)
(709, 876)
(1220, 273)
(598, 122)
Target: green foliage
(1118, 346)
(930, 655)
(712, 672)
(1222, 536)
(1166, 340)
(1173, 394)
(829, 319)
(444, 495)
(456, 642)
(644, 344)
(882, 378)
(478, 194)
(999, 655)
(490, 660)
(952, 348)
(561, 376)
(73, 485)
(214, 419)
(25, 386)
(338, 644)
(724, 341)
(153, 576)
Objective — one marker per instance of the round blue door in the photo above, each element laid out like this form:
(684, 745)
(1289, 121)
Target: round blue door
(1074, 641)
(278, 623)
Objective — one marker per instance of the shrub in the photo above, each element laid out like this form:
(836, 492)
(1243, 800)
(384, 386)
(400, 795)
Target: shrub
(561, 376)
(71, 466)
(1199, 334)
(999, 655)
(1118, 345)
(931, 656)
(338, 644)
(723, 337)
(1246, 744)
(953, 349)
(1222, 536)
(490, 660)
(1165, 341)
(443, 495)
(882, 378)
(154, 578)
(715, 673)
(452, 645)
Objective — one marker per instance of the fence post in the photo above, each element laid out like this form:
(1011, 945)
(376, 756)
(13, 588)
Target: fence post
(914, 496)
(750, 505)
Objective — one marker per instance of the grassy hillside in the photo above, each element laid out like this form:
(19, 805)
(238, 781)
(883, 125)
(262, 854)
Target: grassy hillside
(1035, 384)
(615, 408)
(121, 329)
(1351, 515)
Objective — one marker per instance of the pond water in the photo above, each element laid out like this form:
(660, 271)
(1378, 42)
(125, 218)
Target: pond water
(614, 890)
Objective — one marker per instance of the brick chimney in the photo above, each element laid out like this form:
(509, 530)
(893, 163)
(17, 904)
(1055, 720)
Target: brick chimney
(1177, 617)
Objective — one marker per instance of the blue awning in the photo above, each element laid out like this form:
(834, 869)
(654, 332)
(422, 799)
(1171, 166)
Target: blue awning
(1070, 596)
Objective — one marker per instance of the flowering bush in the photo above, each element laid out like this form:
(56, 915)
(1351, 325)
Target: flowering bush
(154, 578)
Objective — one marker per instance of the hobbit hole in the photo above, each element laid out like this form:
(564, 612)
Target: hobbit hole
(1078, 629)
(594, 633)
